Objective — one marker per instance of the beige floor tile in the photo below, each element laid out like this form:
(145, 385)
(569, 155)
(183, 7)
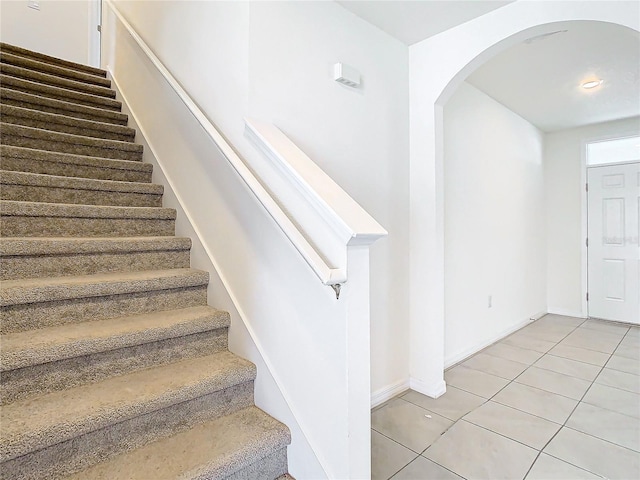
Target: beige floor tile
(624, 364)
(537, 402)
(580, 354)
(595, 455)
(474, 381)
(607, 327)
(546, 332)
(632, 341)
(454, 404)
(566, 366)
(547, 467)
(634, 332)
(621, 380)
(561, 319)
(408, 425)
(495, 366)
(509, 352)
(387, 456)
(613, 399)
(554, 382)
(423, 469)
(607, 425)
(592, 340)
(474, 452)
(628, 352)
(530, 343)
(515, 424)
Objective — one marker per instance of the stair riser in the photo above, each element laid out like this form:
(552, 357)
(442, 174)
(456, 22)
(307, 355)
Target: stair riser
(267, 468)
(37, 65)
(26, 226)
(83, 451)
(54, 81)
(59, 108)
(38, 266)
(23, 317)
(74, 170)
(64, 95)
(18, 384)
(63, 147)
(73, 130)
(32, 193)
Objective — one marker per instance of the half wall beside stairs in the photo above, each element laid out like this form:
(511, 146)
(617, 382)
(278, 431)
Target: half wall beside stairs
(312, 351)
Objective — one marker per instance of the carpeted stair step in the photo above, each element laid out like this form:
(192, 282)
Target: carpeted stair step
(70, 355)
(70, 165)
(36, 187)
(58, 93)
(60, 432)
(32, 257)
(19, 136)
(54, 80)
(50, 105)
(244, 445)
(36, 219)
(41, 57)
(45, 66)
(35, 303)
(65, 124)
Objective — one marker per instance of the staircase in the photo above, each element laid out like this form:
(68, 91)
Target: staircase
(113, 365)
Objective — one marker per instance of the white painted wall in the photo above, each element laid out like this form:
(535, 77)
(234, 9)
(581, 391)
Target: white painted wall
(244, 61)
(565, 193)
(237, 59)
(494, 222)
(437, 67)
(60, 28)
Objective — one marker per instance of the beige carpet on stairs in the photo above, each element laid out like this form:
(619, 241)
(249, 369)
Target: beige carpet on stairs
(113, 365)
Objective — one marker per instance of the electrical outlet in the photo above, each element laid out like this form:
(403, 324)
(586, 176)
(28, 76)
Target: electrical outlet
(33, 4)
(489, 301)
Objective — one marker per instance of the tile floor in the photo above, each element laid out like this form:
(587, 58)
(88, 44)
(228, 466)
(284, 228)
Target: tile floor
(559, 399)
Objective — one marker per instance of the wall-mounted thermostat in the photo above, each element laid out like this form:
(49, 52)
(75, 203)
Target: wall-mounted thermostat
(346, 75)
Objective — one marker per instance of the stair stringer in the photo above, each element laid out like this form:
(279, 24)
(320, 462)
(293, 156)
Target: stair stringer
(269, 393)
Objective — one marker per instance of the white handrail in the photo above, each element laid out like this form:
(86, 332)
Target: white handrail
(328, 275)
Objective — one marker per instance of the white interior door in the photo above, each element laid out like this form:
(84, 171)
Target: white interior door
(614, 249)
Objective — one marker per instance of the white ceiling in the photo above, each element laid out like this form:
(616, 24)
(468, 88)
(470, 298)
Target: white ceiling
(413, 21)
(540, 81)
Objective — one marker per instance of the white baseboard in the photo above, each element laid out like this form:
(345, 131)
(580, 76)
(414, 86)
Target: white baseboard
(458, 357)
(434, 390)
(386, 393)
(565, 312)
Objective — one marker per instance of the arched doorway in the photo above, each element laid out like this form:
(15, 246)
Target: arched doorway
(457, 53)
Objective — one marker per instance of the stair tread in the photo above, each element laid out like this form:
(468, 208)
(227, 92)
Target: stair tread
(44, 89)
(47, 78)
(22, 131)
(43, 66)
(214, 449)
(45, 155)
(19, 51)
(42, 209)
(60, 342)
(46, 289)
(15, 246)
(65, 120)
(33, 424)
(8, 177)
(29, 98)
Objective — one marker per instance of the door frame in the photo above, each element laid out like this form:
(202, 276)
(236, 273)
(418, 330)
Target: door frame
(95, 20)
(629, 132)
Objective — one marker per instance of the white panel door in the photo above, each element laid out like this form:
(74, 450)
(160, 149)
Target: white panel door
(614, 249)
